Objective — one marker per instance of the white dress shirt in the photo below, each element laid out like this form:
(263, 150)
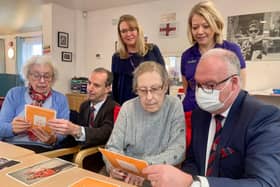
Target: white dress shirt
(97, 107)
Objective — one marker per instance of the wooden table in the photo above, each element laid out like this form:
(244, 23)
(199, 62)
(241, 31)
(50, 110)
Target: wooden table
(62, 179)
(73, 175)
(12, 151)
(25, 162)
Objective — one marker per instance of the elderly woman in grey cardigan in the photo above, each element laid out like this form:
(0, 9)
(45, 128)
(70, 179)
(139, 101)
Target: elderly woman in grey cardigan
(151, 126)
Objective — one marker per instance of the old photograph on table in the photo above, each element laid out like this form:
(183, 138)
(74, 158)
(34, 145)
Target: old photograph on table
(6, 162)
(41, 171)
(258, 35)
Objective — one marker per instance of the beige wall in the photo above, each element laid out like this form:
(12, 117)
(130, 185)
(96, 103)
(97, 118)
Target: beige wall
(95, 34)
(101, 33)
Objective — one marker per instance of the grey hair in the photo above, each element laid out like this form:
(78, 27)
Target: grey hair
(226, 56)
(150, 66)
(39, 59)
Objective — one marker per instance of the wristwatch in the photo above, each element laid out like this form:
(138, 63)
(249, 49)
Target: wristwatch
(79, 134)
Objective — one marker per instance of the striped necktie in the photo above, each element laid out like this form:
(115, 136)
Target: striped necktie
(91, 116)
(213, 152)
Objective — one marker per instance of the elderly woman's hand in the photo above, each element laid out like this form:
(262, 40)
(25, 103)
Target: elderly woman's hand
(43, 135)
(19, 125)
(134, 179)
(126, 177)
(117, 173)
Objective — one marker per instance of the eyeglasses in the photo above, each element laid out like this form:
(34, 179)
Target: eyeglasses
(253, 31)
(131, 29)
(210, 87)
(156, 90)
(38, 76)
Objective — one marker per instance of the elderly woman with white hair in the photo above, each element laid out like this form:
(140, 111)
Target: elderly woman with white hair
(40, 74)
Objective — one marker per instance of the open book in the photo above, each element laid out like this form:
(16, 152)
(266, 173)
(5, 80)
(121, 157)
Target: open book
(129, 164)
(39, 116)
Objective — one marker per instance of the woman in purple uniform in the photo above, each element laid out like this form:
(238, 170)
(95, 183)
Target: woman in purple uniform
(205, 26)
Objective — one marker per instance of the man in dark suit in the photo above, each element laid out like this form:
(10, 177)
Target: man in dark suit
(96, 115)
(235, 140)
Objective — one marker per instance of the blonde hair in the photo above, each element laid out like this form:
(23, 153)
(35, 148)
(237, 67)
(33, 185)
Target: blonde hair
(141, 47)
(39, 59)
(207, 10)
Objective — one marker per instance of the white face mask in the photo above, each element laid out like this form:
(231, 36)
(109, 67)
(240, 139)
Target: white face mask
(208, 100)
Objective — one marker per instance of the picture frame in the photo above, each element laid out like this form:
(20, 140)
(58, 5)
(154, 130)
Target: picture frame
(66, 56)
(63, 39)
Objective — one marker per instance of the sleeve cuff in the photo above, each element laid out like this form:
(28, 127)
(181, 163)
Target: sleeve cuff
(82, 138)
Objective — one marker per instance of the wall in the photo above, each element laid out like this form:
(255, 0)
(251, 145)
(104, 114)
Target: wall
(101, 33)
(60, 19)
(94, 33)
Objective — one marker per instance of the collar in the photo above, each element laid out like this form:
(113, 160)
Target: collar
(98, 105)
(196, 48)
(225, 113)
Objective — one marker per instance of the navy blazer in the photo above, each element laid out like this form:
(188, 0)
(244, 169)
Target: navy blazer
(252, 132)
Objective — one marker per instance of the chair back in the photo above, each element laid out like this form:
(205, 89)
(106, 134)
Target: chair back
(116, 112)
(188, 128)
(1, 101)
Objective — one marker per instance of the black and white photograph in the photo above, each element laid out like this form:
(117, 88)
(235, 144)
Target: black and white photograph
(258, 35)
(6, 162)
(66, 56)
(62, 39)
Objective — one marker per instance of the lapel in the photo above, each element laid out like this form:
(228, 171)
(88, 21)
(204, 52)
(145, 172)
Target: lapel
(231, 120)
(228, 129)
(86, 113)
(201, 130)
(100, 112)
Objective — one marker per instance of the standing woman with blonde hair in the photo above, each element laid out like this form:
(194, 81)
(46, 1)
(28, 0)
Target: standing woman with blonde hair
(132, 50)
(205, 27)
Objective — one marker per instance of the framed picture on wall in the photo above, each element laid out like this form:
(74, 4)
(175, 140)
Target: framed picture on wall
(66, 56)
(62, 39)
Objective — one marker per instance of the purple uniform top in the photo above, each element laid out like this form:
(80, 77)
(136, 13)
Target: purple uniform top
(189, 62)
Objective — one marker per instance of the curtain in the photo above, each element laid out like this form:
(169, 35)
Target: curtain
(19, 41)
(2, 56)
(27, 47)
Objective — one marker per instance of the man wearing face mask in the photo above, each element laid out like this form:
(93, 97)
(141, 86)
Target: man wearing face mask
(235, 138)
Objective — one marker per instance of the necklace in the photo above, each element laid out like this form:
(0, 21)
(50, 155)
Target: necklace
(131, 59)
(135, 60)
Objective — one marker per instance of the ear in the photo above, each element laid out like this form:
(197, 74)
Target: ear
(108, 89)
(165, 87)
(236, 82)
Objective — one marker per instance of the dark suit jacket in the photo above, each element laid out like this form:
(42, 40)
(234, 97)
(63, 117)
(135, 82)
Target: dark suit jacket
(103, 122)
(252, 130)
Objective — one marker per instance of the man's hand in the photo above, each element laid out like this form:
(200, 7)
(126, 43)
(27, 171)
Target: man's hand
(167, 175)
(19, 125)
(64, 127)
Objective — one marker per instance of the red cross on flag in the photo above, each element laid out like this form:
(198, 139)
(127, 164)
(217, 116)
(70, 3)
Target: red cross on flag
(168, 29)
